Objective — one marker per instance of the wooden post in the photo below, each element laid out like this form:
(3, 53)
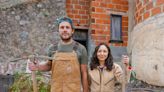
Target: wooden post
(35, 89)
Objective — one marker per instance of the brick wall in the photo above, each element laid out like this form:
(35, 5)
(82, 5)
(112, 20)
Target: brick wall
(100, 20)
(148, 8)
(95, 14)
(78, 10)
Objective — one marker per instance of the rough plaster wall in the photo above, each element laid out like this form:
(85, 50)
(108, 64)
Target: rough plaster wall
(131, 23)
(28, 28)
(148, 50)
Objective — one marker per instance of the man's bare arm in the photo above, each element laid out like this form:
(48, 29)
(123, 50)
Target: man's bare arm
(41, 67)
(84, 77)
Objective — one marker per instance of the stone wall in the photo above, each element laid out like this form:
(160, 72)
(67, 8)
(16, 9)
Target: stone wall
(9, 3)
(28, 28)
(148, 50)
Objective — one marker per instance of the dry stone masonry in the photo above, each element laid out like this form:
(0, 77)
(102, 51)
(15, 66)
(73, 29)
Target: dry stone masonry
(27, 28)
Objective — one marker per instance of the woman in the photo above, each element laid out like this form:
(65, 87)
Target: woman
(103, 73)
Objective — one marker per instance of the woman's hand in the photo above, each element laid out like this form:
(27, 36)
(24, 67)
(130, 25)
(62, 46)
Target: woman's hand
(125, 60)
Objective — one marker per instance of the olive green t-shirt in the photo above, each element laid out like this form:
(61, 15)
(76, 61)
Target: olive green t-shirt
(80, 51)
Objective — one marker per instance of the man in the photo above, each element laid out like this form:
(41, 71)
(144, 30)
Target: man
(69, 66)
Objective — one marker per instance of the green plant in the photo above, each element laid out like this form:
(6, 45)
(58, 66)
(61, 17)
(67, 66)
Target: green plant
(133, 77)
(23, 83)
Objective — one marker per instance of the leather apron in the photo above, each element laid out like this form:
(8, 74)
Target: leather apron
(65, 72)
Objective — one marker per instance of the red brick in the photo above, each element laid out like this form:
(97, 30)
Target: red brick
(139, 5)
(68, 1)
(83, 21)
(81, 2)
(93, 32)
(97, 9)
(149, 6)
(118, 44)
(82, 12)
(77, 16)
(115, 1)
(93, 20)
(70, 15)
(106, 32)
(93, 9)
(124, 28)
(84, 7)
(142, 10)
(125, 3)
(118, 6)
(137, 1)
(139, 19)
(75, 11)
(124, 8)
(156, 10)
(77, 6)
(99, 32)
(75, 2)
(124, 23)
(124, 44)
(100, 21)
(159, 2)
(125, 38)
(69, 10)
(146, 1)
(125, 33)
(93, 26)
(110, 6)
(95, 4)
(96, 15)
(124, 18)
(85, 17)
(136, 15)
(146, 15)
(103, 4)
(107, 1)
(69, 6)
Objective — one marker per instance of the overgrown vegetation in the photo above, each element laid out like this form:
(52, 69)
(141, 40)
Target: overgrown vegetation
(23, 83)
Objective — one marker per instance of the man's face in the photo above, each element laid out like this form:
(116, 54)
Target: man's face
(65, 31)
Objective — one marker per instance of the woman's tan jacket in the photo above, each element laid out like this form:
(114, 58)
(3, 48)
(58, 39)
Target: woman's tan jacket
(102, 80)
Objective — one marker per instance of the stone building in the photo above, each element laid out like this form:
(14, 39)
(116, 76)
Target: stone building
(133, 27)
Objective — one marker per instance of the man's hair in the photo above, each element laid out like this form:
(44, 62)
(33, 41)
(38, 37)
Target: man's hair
(65, 19)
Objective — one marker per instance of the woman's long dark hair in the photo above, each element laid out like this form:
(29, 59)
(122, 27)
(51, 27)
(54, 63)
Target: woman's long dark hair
(95, 62)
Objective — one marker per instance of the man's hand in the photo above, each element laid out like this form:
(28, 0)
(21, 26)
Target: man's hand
(33, 66)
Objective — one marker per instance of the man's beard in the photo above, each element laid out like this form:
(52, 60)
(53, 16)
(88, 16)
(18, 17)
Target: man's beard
(66, 39)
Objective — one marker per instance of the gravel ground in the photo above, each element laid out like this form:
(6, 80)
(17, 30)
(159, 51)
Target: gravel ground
(140, 86)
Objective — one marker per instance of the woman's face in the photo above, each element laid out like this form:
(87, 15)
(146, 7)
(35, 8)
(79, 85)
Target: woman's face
(102, 53)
